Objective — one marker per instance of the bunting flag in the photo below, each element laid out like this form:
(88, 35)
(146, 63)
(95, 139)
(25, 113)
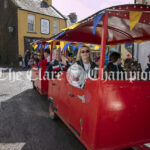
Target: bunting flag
(79, 46)
(128, 45)
(57, 47)
(71, 27)
(49, 41)
(134, 18)
(112, 46)
(35, 46)
(139, 41)
(50, 46)
(66, 46)
(60, 34)
(96, 47)
(46, 46)
(39, 46)
(73, 47)
(62, 44)
(97, 19)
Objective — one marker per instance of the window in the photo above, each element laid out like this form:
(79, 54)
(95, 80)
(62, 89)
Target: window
(44, 26)
(55, 27)
(31, 23)
(5, 3)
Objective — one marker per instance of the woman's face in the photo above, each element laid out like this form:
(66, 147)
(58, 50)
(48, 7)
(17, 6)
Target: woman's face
(85, 53)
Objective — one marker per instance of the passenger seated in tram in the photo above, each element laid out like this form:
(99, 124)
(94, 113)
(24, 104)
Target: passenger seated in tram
(58, 64)
(82, 68)
(147, 70)
(132, 68)
(46, 60)
(70, 58)
(114, 69)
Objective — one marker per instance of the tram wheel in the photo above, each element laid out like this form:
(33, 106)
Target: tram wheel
(52, 113)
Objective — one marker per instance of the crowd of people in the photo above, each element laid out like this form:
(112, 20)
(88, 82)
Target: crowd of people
(116, 69)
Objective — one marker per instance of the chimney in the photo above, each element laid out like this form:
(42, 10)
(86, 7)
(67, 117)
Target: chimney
(49, 2)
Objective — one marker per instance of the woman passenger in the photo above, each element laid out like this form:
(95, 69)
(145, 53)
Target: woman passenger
(86, 64)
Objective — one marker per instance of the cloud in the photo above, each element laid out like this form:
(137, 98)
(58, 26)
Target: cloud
(84, 8)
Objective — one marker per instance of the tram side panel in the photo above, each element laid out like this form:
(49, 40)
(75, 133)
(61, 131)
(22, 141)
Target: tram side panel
(124, 117)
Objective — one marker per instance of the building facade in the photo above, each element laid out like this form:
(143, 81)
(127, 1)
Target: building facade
(146, 2)
(23, 22)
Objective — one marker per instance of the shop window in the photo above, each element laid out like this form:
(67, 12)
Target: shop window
(55, 27)
(31, 23)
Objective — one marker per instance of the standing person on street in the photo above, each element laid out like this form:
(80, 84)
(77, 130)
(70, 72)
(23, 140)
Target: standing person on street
(27, 58)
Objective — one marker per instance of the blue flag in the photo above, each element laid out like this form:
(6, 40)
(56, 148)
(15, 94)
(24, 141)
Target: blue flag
(79, 46)
(60, 34)
(66, 46)
(97, 19)
(39, 46)
(46, 46)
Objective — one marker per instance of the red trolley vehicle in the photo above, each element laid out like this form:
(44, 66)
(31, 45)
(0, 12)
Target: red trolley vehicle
(106, 115)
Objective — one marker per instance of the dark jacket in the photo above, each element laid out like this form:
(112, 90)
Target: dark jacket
(148, 70)
(56, 66)
(114, 71)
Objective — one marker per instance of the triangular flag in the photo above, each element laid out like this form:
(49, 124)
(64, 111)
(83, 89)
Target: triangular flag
(46, 46)
(96, 47)
(134, 18)
(62, 44)
(139, 41)
(49, 41)
(66, 46)
(57, 46)
(79, 46)
(50, 46)
(35, 46)
(97, 19)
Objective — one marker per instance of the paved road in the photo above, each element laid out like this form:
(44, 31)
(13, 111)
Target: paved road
(24, 122)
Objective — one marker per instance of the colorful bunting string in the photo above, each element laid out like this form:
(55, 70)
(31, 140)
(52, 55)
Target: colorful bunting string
(71, 27)
(97, 19)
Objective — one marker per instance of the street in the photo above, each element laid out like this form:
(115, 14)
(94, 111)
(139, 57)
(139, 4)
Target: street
(24, 122)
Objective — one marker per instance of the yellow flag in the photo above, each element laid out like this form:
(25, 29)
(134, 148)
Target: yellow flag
(35, 46)
(96, 47)
(139, 41)
(49, 41)
(57, 46)
(62, 44)
(134, 18)
(72, 27)
(112, 46)
(50, 46)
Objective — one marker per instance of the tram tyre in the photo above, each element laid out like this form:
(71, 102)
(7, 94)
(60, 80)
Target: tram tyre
(52, 113)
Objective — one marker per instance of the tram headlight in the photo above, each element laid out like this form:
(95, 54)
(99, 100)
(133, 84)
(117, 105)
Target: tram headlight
(147, 145)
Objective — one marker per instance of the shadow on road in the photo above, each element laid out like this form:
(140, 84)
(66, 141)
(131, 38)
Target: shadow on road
(24, 119)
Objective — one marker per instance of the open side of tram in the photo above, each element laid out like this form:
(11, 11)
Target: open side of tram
(106, 114)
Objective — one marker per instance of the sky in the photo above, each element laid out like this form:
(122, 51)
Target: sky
(85, 8)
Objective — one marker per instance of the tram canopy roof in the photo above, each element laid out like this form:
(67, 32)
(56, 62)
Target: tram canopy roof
(126, 24)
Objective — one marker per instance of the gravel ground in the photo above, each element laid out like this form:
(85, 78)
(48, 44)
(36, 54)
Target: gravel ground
(24, 122)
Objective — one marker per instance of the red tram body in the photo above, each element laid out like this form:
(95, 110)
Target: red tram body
(105, 115)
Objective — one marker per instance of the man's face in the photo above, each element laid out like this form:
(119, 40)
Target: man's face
(57, 55)
(45, 55)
